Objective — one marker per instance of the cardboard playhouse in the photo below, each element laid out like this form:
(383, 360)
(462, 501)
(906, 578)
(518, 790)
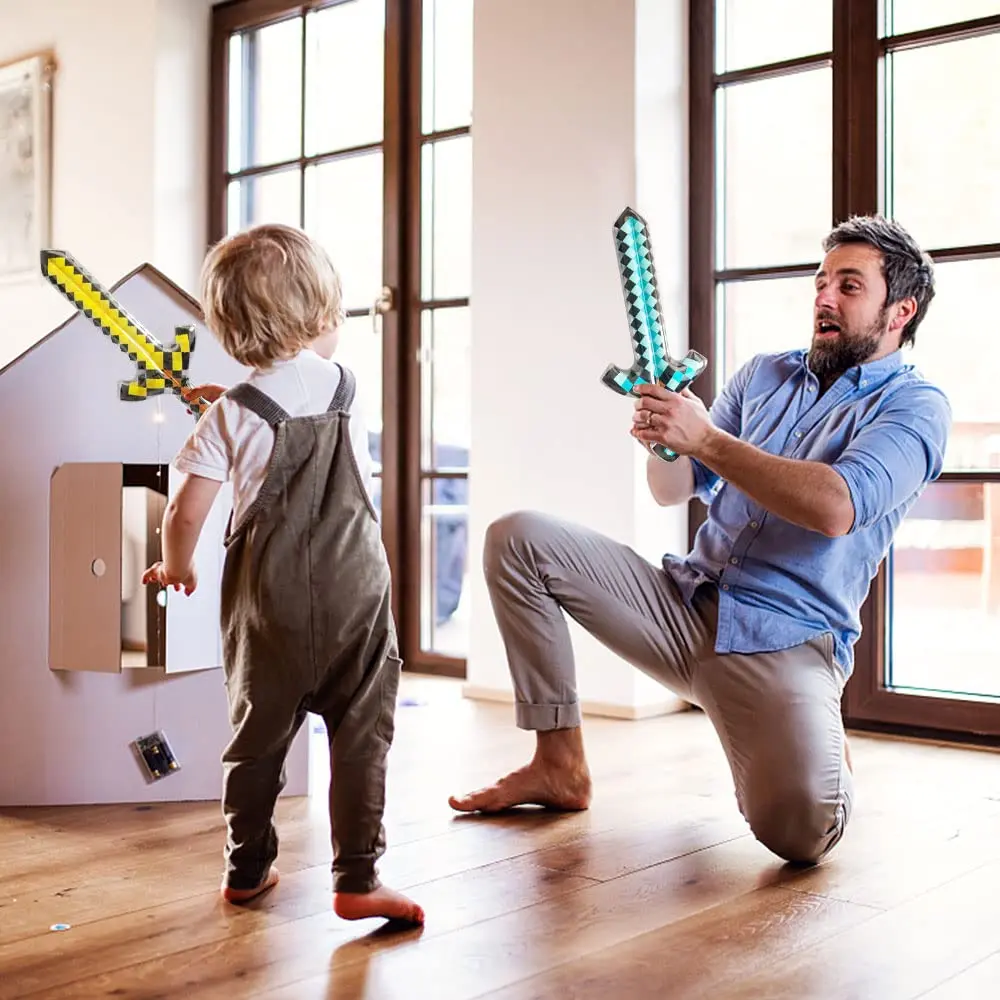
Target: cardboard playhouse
(91, 661)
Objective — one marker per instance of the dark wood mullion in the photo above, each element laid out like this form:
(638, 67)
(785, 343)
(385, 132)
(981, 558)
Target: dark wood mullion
(445, 134)
(855, 169)
(444, 303)
(240, 15)
(981, 251)
(767, 71)
(395, 264)
(762, 273)
(444, 472)
(302, 124)
(701, 216)
(410, 375)
(702, 176)
(970, 476)
(855, 108)
(315, 159)
(218, 128)
(428, 662)
(943, 33)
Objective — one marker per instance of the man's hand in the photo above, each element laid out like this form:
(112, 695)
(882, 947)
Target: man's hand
(157, 573)
(677, 420)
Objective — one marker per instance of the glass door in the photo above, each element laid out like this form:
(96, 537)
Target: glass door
(931, 660)
(352, 119)
(886, 106)
(440, 437)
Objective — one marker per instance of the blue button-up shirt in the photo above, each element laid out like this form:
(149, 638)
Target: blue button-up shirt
(883, 427)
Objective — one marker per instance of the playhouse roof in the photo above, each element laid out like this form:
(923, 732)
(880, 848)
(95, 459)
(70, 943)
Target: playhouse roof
(147, 271)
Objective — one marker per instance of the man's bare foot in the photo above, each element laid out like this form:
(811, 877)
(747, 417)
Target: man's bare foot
(243, 895)
(557, 778)
(381, 902)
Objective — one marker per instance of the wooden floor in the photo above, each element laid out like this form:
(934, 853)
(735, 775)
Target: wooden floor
(657, 891)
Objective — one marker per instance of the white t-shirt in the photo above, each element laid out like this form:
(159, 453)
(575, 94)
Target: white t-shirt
(231, 442)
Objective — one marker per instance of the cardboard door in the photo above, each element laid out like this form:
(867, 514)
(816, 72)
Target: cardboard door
(85, 579)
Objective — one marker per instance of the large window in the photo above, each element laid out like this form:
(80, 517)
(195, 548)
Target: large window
(352, 119)
(857, 107)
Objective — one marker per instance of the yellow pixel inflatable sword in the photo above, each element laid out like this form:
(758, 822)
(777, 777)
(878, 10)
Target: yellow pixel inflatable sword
(157, 367)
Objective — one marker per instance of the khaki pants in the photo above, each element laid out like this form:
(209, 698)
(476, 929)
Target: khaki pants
(777, 714)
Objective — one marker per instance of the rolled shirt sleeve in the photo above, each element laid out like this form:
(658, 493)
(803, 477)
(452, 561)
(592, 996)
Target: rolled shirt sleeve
(727, 414)
(898, 453)
(208, 450)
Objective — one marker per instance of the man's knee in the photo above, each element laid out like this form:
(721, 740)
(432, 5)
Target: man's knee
(797, 825)
(509, 537)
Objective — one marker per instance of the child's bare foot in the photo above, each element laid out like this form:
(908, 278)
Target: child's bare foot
(381, 902)
(242, 895)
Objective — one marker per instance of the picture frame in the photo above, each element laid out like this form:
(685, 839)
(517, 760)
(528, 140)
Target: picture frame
(25, 164)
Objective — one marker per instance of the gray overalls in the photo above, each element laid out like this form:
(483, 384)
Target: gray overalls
(307, 627)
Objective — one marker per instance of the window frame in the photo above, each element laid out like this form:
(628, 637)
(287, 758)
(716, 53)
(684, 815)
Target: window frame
(857, 164)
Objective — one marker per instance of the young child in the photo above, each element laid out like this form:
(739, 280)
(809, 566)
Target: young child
(306, 618)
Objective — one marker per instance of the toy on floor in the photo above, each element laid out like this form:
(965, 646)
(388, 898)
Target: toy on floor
(156, 367)
(156, 756)
(652, 364)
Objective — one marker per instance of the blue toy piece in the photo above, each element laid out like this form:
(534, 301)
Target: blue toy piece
(652, 363)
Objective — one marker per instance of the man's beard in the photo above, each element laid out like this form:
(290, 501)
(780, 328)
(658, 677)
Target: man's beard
(830, 358)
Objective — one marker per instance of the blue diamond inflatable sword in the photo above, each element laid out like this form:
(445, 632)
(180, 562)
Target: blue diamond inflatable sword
(652, 363)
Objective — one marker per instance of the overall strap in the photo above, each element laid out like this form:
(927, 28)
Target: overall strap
(258, 402)
(344, 395)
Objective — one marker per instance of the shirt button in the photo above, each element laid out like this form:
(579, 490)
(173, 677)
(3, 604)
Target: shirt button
(725, 586)
(733, 560)
(798, 434)
(753, 524)
(810, 388)
(864, 381)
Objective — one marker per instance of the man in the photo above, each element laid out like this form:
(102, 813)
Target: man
(808, 461)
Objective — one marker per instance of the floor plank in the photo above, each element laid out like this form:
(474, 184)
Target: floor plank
(490, 954)
(613, 901)
(898, 955)
(980, 982)
(703, 955)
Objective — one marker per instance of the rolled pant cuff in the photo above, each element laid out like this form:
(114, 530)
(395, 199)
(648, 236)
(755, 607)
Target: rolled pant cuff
(545, 717)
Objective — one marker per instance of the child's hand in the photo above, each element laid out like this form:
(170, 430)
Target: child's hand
(208, 391)
(157, 573)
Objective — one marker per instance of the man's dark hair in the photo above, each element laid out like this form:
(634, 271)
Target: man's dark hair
(908, 271)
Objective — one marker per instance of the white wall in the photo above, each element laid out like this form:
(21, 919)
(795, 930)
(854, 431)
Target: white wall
(130, 104)
(579, 110)
(180, 137)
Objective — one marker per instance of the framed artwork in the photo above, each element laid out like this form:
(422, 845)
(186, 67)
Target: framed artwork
(25, 164)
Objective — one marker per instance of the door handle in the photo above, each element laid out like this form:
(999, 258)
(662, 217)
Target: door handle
(383, 304)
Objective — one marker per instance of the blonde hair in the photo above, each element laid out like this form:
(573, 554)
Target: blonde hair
(269, 291)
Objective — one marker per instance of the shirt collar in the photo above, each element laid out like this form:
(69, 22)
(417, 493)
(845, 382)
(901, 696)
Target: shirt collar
(870, 373)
